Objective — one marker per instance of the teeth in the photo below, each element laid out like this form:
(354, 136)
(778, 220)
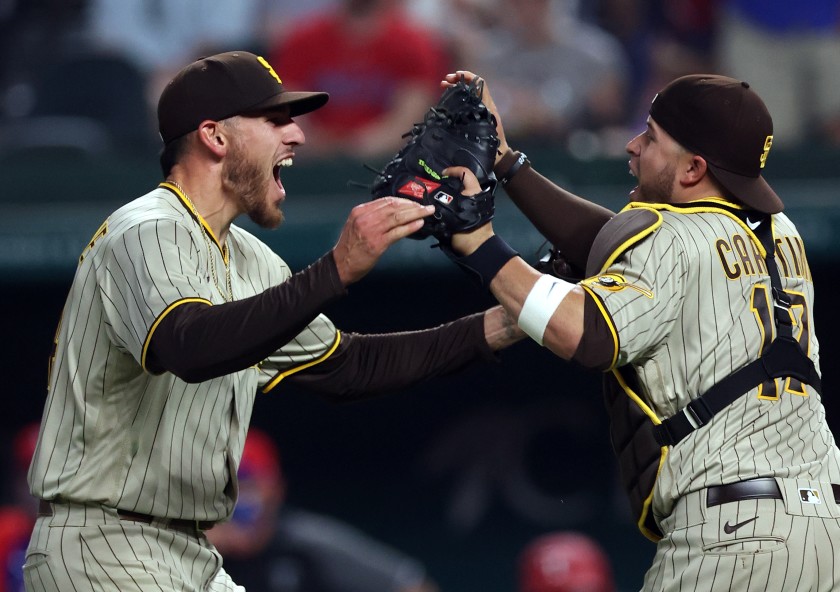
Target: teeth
(286, 162)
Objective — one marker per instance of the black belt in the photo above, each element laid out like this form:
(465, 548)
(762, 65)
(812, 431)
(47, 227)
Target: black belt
(761, 488)
(45, 509)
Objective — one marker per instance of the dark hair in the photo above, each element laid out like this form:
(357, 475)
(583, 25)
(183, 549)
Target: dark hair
(171, 153)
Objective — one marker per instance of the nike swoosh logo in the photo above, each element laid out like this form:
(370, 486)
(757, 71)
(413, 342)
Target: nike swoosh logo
(753, 225)
(730, 528)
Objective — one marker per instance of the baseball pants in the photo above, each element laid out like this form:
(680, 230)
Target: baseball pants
(751, 545)
(90, 548)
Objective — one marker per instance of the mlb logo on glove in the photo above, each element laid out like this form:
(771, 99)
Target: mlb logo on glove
(443, 198)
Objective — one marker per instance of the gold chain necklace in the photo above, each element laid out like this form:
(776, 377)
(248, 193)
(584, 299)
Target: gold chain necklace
(228, 296)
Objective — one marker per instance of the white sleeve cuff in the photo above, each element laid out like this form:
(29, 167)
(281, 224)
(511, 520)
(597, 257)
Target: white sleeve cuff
(540, 304)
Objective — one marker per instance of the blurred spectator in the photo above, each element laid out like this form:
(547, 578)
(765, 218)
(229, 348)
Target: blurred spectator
(629, 22)
(34, 30)
(564, 562)
(664, 39)
(381, 68)
(552, 73)
(282, 16)
(790, 53)
(158, 36)
(83, 100)
(465, 25)
(17, 517)
(271, 547)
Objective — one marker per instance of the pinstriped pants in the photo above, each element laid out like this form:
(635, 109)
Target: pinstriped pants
(89, 548)
(757, 545)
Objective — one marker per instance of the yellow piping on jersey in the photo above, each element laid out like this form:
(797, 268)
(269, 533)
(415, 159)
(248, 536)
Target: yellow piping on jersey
(663, 454)
(609, 321)
(633, 239)
(166, 311)
(187, 204)
(610, 260)
(706, 209)
(280, 376)
(724, 203)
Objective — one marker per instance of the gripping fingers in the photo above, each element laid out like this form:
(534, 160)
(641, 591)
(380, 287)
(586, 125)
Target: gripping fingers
(408, 212)
(454, 77)
(371, 228)
(406, 220)
(469, 182)
(387, 213)
(386, 220)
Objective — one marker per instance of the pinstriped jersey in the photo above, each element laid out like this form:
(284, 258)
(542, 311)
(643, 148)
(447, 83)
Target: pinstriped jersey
(113, 432)
(689, 302)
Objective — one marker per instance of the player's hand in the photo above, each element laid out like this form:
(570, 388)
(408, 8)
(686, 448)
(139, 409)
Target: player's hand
(451, 79)
(464, 243)
(370, 229)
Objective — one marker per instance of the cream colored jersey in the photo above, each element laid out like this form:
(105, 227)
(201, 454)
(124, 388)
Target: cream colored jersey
(112, 432)
(689, 304)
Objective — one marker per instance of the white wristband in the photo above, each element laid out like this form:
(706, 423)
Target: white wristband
(542, 301)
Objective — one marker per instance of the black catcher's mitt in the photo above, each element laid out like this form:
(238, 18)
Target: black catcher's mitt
(459, 130)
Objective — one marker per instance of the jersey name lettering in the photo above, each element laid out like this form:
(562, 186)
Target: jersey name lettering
(739, 256)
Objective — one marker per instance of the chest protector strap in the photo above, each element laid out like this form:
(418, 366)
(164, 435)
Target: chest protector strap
(784, 358)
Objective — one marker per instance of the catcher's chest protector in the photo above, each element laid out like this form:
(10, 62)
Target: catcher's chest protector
(631, 421)
(639, 454)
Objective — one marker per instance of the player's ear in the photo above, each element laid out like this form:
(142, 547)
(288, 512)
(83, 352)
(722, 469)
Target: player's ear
(695, 170)
(212, 136)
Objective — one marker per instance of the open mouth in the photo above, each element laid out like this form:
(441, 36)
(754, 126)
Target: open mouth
(635, 176)
(286, 162)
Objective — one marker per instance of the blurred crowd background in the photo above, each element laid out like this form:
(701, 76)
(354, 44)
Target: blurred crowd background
(564, 72)
(500, 479)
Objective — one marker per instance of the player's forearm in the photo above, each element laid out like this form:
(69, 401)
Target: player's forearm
(562, 332)
(568, 221)
(500, 328)
(197, 342)
(367, 365)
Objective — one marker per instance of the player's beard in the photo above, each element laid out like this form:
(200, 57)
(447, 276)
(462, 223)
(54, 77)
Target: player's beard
(249, 182)
(661, 188)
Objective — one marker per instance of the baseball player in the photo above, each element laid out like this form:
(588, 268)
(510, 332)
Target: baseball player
(697, 303)
(176, 318)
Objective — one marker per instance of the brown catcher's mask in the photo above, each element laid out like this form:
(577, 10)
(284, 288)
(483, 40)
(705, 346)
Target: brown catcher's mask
(726, 122)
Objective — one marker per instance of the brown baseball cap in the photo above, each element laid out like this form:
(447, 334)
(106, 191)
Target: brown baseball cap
(726, 122)
(224, 85)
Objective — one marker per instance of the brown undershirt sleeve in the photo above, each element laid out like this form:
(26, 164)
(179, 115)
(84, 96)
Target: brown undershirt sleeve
(373, 364)
(569, 222)
(597, 345)
(197, 342)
